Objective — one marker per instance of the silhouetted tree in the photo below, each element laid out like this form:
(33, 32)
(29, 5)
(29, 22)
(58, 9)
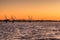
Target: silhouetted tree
(6, 19)
(12, 19)
(30, 18)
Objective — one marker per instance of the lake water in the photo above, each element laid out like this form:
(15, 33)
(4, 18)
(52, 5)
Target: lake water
(30, 31)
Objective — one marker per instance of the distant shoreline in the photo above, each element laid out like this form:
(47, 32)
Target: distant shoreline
(30, 20)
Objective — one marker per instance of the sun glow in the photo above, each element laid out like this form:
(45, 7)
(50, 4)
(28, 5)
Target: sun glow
(45, 10)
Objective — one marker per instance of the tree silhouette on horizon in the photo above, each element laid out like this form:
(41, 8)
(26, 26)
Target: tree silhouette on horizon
(13, 19)
(6, 19)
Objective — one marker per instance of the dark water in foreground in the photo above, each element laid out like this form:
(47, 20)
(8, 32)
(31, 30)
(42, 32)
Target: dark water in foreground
(30, 31)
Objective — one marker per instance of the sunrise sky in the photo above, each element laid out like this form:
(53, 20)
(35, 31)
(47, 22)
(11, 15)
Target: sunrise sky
(37, 9)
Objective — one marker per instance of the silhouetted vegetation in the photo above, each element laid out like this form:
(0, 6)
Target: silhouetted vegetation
(12, 19)
(6, 19)
(29, 20)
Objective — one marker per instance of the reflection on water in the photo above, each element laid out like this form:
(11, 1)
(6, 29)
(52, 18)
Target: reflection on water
(30, 31)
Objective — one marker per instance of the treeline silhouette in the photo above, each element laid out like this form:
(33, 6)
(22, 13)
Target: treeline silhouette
(29, 20)
(7, 20)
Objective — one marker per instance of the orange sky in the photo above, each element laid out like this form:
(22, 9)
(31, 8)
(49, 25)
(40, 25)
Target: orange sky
(42, 10)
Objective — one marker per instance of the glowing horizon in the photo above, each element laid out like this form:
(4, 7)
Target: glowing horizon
(42, 10)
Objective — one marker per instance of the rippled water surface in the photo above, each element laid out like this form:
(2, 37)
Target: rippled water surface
(30, 31)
